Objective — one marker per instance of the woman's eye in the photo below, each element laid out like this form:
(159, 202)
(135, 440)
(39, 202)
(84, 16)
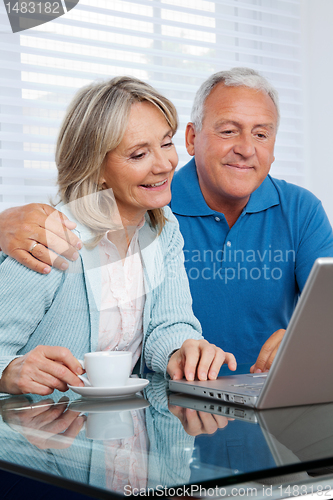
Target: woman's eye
(167, 144)
(137, 156)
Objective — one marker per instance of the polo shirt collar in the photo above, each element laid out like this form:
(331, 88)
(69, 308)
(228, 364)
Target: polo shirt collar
(187, 198)
(264, 197)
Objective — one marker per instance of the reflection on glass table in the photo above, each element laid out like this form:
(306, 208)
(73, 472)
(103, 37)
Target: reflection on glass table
(161, 441)
(275, 442)
(107, 445)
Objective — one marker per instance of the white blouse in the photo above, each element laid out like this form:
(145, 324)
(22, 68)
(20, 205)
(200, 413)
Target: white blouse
(123, 298)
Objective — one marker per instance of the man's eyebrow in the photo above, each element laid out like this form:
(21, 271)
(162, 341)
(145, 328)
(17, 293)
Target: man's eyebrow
(226, 122)
(237, 124)
(265, 125)
(145, 144)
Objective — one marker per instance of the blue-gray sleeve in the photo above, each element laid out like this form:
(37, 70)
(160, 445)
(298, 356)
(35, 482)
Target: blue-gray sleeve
(25, 296)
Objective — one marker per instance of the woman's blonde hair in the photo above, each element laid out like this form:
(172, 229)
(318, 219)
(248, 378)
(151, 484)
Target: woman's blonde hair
(95, 124)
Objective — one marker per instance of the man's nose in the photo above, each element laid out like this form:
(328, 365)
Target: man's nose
(244, 145)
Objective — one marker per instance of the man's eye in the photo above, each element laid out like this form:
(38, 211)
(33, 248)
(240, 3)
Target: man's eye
(167, 144)
(261, 135)
(227, 132)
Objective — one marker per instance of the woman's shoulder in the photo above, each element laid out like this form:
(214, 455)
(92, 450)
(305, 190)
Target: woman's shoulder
(15, 272)
(169, 214)
(171, 226)
(82, 231)
(171, 235)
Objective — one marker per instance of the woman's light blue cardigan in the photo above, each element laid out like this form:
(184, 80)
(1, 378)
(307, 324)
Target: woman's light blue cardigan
(62, 308)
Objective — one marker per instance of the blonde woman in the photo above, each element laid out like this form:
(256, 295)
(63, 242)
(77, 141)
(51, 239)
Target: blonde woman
(128, 290)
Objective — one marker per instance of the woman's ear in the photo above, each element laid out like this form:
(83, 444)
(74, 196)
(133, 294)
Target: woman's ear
(101, 180)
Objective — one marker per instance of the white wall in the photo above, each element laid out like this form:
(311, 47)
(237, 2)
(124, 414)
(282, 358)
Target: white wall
(317, 33)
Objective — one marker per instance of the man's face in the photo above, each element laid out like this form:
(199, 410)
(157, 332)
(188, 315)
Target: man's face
(234, 149)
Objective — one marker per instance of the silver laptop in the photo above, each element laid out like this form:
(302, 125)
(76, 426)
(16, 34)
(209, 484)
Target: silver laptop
(302, 371)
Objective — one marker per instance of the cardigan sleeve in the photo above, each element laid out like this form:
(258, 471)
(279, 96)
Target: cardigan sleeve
(25, 296)
(171, 320)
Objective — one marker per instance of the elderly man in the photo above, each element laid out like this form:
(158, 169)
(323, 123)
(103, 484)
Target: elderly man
(250, 240)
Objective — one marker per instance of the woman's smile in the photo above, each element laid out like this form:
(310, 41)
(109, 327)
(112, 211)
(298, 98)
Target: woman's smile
(157, 186)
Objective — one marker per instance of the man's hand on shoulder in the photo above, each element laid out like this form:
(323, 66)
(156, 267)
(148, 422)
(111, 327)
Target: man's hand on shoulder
(268, 352)
(35, 234)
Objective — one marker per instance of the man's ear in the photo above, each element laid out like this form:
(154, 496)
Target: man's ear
(189, 138)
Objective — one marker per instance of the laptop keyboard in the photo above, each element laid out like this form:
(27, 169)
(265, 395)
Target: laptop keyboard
(255, 386)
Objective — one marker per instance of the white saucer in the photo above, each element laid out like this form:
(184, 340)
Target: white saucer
(133, 385)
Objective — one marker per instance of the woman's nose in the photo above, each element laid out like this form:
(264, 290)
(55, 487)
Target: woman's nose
(162, 163)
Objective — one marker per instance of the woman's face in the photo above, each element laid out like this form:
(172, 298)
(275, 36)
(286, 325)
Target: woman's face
(140, 169)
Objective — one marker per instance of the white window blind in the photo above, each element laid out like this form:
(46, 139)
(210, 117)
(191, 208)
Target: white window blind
(172, 44)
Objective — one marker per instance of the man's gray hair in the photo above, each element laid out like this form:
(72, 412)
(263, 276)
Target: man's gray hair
(235, 77)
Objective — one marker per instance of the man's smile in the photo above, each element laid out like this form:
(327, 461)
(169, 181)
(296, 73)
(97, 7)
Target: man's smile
(238, 166)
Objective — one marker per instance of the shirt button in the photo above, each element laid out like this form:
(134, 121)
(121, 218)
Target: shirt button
(228, 243)
(217, 219)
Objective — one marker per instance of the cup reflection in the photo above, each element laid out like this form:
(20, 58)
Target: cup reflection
(109, 420)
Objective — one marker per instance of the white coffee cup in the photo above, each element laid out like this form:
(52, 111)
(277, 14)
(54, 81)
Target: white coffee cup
(108, 368)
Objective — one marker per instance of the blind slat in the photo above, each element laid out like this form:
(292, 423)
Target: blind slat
(30, 173)
(212, 15)
(74, 73)
(22, 190)
(188, 10)
(83, 24)
(241, 36)
(25, 155)
(26, 49)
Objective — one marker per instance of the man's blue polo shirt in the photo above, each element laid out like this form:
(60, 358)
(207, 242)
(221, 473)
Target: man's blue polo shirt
(245, 281)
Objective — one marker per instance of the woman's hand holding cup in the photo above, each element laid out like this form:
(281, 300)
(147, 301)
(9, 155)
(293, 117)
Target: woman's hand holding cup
(42, 370)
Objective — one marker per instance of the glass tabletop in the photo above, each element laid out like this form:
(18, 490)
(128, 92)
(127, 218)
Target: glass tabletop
(159, 441)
